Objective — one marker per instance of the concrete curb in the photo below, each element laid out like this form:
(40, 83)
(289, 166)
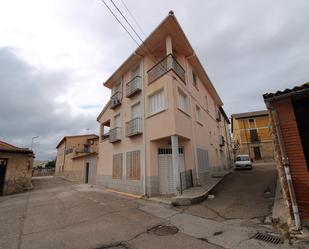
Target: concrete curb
(191, 200)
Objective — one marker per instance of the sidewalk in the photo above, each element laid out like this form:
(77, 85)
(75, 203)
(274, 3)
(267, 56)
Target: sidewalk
(192, 195)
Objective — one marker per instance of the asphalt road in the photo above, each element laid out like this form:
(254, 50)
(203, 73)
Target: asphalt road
(244, 194)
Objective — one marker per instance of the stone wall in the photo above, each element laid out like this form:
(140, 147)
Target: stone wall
(18, 173)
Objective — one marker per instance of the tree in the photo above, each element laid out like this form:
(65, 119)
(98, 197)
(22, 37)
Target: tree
(51, 164)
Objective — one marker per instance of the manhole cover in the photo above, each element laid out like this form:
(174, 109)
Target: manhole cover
(268, 238)
(163, 230)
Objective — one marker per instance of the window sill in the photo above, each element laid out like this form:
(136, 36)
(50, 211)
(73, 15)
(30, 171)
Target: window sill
(184, 112)
(154, 114)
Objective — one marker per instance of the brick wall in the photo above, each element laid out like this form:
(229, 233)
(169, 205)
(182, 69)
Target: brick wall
(295, 154)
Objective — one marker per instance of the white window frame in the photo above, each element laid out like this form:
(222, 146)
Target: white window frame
(160, 107)
(182, 100)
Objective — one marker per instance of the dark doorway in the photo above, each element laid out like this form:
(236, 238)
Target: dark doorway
(3, 164)
(257, 153)
(301, 110)
(87, 173)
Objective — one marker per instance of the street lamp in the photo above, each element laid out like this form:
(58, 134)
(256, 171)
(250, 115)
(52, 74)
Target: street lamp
(32, 141)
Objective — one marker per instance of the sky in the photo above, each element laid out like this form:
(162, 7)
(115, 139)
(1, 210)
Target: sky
(55, 55)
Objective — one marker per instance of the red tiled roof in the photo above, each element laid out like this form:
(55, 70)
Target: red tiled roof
(294, 90)
(5, 147)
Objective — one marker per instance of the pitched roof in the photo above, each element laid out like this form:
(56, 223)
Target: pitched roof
(250, 114)
(169, 26)
(287, 92)
(6, 147)
(74, 136)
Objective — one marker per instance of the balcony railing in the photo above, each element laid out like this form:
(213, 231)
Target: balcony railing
(164, 66)
(116, 99)
(134, 127)
(105, 136)
(115, 134)
(134, 86)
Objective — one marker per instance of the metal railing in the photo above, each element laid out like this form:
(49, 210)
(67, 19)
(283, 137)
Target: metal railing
(105, 136)
(116, 99)
(115, 134)
(165, 65)
(186, 180)
(134, 127)
(134, 86)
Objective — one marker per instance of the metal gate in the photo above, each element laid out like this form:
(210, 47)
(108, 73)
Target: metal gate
(167, 183)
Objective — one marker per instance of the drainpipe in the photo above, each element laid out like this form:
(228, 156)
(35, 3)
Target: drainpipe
(286, 167)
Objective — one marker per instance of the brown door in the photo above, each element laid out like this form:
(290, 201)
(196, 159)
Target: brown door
(3, 164)
(257, 153)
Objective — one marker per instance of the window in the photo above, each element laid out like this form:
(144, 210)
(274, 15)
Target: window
(134, 165)
(105, 127)
(206, 101)
(182, 100)
(156, 102)
(116, 88)
(198, 114)
(251, 120)
(194, 77)
(117, 166)
(136, 111)
(117, 121)
(254, 136)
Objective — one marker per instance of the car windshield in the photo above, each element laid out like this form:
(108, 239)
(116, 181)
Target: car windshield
(242, 158)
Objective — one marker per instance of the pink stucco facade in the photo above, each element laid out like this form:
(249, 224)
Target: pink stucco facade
(181, 124)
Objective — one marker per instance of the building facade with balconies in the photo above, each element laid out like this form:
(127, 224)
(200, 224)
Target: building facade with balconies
(251, 134)
(164, 121)
(77, 158)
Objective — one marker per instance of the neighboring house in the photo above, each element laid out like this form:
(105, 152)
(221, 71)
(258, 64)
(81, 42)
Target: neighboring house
(164, 118)
(15, 168)
(77, 158)
(289, 111)
(251, 134)
(39, 164)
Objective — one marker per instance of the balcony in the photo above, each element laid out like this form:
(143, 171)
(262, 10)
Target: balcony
(164, 66)
(115, 135)
(116, 99)
(134, 86)
(134, 127)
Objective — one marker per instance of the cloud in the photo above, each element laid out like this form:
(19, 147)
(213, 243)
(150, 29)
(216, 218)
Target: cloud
(30, 105)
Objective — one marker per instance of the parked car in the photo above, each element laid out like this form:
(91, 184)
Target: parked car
(243, 162)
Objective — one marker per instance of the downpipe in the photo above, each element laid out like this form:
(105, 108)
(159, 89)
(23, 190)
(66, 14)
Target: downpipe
(286, 169)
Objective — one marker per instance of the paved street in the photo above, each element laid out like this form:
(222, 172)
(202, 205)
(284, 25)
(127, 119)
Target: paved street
(58, 214)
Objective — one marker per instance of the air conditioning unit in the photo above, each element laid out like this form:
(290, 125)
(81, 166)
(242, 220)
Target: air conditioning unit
(115, 102)
(221, 141)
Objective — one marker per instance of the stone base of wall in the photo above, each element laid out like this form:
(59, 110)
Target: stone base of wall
(17, 185)
(124, 185)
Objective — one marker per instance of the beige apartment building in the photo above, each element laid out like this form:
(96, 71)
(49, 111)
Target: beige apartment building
(164, 123)
(77, 158)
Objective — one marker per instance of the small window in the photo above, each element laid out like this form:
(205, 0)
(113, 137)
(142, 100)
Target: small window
(251, 120)
(117, 166)
(156, 102)
(194, 78)
(117, 121)
(254, 137)
(135, 72)
(182, 100)
(198, 113)
(136, 110)
(134, 165)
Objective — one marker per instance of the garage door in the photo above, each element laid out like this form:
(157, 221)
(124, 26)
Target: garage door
(166, 174)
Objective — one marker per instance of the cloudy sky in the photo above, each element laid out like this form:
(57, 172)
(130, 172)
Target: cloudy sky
(54, 56)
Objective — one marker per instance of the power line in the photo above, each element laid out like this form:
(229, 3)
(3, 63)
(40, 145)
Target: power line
(133, 18)
(102, 1)
(127, 21)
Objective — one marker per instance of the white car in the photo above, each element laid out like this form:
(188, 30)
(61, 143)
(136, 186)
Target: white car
(243, 162)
